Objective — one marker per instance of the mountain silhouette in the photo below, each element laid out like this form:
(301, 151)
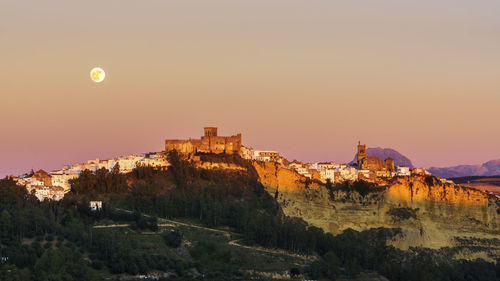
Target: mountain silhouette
(490, 168)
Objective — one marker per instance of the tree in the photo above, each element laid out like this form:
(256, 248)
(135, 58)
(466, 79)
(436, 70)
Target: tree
(332, 263)
(173, 239)
(5, 227)
(62, 264)
(12, 273)
(294, 272)
(116, 169)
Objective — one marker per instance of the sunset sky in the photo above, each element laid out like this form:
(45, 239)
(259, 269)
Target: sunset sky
(308, 78)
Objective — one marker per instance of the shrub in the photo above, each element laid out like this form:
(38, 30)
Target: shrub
(360, 186)
(294, 272)
(400, 214)
(173, 239)
(97, 264)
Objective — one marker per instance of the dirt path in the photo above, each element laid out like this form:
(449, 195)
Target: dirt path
(172, 223)
(111, 225)
(270, 251)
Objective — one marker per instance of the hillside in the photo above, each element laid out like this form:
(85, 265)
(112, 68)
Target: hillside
(186, 223)
(490, 168)
(220, 217)
(399, 159)
(430, 213)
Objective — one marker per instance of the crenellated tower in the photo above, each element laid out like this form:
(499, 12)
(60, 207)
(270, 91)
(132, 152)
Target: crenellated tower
(361, 156)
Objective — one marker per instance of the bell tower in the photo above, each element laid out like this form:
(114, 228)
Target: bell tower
(361, 156)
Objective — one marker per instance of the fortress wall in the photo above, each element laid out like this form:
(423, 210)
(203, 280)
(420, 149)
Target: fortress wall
(183, 146)
(209, 143)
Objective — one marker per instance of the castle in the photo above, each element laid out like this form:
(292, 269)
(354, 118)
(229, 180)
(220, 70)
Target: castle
(374, 163)
(210, 142)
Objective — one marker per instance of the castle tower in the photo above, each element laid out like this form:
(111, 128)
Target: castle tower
(210, 131)
(210, 135)
(361, 156)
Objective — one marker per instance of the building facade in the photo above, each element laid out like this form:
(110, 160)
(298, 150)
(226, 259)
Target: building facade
(374, 163)
(210, 142)
(266, 155)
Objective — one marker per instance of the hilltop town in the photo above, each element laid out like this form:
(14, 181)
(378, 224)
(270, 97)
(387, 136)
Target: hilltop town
(55, 184)
(238, 193)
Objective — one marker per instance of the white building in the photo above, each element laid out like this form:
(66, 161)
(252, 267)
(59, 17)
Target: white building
(126, 163)
(59, 178)
(327, 174)
(336, 172)
(403, 171)
(326, 171)
(55, 193)
(301, 169)
(364, 173)
(58, 184)
(266, 155)
(419, 171)
(346, 172)
(246, 153)
(40, 190)
(95, 205)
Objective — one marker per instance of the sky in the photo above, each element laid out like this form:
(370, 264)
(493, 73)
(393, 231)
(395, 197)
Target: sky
(307, 78)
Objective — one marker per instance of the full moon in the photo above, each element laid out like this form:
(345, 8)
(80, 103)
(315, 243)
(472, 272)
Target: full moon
(97, 74)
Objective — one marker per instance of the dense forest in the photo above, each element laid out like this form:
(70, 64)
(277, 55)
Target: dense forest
(56, 240)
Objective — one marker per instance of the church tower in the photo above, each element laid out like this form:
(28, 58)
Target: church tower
(361, 156)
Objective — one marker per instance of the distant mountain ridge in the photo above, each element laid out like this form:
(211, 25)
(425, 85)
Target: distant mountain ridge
(399, 159)
(490, 168)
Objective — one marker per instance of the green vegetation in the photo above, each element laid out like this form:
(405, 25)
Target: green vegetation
(172, 238)
(360, 186)
(401, 214)
(58, 241)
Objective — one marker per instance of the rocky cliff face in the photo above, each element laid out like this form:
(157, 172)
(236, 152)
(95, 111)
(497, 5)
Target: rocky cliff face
(274, 177)
(418, 188)
(430, 213)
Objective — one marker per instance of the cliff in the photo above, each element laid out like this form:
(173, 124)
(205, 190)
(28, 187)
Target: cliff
(430, 213)
(418, 188)
(277, 178)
